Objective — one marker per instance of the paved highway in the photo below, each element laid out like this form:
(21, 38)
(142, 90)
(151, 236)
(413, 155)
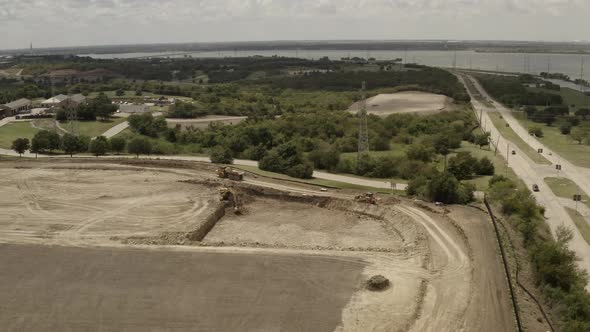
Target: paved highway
(532, 173)
(579, 175)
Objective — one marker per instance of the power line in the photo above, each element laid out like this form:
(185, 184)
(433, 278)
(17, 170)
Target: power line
(363, 143)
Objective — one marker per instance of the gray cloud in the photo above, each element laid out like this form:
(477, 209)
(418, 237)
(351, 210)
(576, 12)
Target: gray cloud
(87, 22)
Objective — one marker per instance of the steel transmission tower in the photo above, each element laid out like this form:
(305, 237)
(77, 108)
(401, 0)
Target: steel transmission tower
(72, 116)
(363, 143)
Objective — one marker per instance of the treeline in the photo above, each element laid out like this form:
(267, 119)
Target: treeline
(296, 143)
(51, 142)
(425, 78)
(12, 91)
(557, 274)
(220, 70)
(511, 91)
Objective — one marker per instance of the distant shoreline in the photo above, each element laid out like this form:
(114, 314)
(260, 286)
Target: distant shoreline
(366, 45)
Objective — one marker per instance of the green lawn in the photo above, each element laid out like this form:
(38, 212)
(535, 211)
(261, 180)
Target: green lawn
(95, 128)
(14, 130)
(164, 147)
(510, 135)
(570, 97)
(566, 188)
(578, 154)
(581, 224)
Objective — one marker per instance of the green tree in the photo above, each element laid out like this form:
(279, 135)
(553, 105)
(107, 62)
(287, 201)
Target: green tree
(146, 124)
(565, 128)
(325, 157)
(482, 140)
(580, 134)
(420, 152)
(536, 131)
(286, 159)
(102, 106)
(461, 165)
(120, 92)
(117, 144)
(20, 145)
(484, 167)
(99, 146)
(444, 188)
(72, 144)
(139, 146)
(45, 140)
(221, 155)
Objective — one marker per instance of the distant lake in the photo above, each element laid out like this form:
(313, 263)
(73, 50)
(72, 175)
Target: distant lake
(568, 64)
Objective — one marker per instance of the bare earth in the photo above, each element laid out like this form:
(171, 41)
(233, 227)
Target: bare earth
(84, 289)
(71, 205)
(403, 102)
(290, 262)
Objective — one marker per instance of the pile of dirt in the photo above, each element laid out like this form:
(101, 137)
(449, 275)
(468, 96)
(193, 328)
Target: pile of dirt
(378, 283)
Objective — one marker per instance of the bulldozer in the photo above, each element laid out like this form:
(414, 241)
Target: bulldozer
(229, 173)
(368, 198)
(227, 194)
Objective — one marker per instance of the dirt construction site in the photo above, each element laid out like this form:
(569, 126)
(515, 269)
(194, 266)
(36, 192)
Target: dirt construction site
(403, 102)
(140, 245)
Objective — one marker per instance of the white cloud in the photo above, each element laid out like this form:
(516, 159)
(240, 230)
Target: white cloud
(55, 22)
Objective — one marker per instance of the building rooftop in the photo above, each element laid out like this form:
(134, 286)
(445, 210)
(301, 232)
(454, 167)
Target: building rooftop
(55, 99)
(18, 103)
(134, 108)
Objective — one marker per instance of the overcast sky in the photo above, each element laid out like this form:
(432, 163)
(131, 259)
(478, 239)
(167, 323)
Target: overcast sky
(102, 22)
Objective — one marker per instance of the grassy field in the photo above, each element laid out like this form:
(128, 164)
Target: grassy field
(571, 97)
(578, 154)
(509, 134)
(95, 128)
(581, 224)
(12, 131)
(566, 188)
(164, 147)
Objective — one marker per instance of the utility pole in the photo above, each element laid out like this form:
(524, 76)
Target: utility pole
(480, 116)
(72, 116)
(363, 143)
(507, 157)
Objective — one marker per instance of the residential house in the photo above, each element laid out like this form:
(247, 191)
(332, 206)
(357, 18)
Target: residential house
(64, 101)
(17, 106)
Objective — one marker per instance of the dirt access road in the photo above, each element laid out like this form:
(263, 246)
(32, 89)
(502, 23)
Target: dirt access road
(531, 173)
(242, 162)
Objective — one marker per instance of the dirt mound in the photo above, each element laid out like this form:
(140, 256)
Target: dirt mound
(378, 283)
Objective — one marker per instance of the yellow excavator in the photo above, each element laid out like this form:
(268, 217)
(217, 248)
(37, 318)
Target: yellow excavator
(227, 194)
(229, 173)
(368, 198)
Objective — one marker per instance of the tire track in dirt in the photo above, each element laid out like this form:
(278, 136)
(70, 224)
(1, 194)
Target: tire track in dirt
(449, 286)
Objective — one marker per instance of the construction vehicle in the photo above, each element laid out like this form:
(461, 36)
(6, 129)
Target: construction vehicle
(368, 198)
(229, 173)
(229, 195)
